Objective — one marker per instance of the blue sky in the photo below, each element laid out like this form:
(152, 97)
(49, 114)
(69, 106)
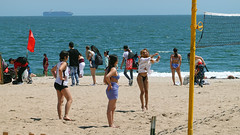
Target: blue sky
(115, 7)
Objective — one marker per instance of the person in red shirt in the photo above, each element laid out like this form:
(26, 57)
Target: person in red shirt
(20, 65)
(45, 64)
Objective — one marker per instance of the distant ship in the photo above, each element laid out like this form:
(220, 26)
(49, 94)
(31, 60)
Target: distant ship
(57, 13)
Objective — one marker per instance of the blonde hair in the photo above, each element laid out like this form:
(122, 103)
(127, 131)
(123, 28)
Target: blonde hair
(145, 49)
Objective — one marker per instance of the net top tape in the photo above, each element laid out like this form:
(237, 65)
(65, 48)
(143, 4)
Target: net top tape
(220, 14)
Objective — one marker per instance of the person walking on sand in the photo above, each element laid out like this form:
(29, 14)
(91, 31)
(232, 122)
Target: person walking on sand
(111, 78)
(45, 64)
(81, 66)
(73, 59)
(145, 62)
(125, 57)
(91, 57)
(61, 73)
(175, 63)
(106, 56)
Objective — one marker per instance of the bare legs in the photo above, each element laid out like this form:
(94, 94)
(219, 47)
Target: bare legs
(143, 86)
(46, 72)
(173, 75)
(110, 111)
(179, 75)
(61, 94)
(93, 75)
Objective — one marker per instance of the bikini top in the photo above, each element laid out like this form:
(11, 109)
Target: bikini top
(116, 77)
(174, 58)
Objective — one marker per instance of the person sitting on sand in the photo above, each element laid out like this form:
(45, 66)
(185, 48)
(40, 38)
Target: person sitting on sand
(197, 60)
(111, 78)
(175, 63)
(61, 73)
(20, 65)
(200, 74)
(145, 62)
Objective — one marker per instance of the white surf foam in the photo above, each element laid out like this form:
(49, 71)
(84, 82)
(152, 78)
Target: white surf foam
(224, 74)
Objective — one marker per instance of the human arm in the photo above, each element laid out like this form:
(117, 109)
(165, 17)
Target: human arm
(15, 71)
(122, 62)
(152, 61)
(46, 62)
(158, 58)
(62, 67)
(171, 61)
(16, 65)
(180, 60)
(199, 57)
(106, 61)
(154, 55)
(104, 78)
(53, 71)
(112, 72)
(90, 55)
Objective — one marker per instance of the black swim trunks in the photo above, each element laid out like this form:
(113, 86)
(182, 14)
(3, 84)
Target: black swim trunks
(59, 87)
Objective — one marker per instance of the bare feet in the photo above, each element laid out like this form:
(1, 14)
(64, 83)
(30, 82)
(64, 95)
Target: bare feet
(146, 107)
(67, 118)
(143, 109)
(113, 126)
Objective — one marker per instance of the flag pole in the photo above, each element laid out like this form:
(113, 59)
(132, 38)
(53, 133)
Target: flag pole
(27, 54)
(192, 66)
(27, 45)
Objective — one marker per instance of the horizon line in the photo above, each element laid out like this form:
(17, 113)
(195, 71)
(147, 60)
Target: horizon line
(96, 15)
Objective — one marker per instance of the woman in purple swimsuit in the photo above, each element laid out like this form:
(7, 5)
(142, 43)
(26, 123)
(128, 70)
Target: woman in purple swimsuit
(111, 79)
(175, 63)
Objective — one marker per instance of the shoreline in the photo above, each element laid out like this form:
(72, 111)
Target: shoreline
(209, 75)
(32, 108)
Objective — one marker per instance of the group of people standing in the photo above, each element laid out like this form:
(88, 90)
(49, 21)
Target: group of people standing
(75, 69)
(111, 76)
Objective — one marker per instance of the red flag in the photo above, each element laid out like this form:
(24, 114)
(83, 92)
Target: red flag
(31, 42)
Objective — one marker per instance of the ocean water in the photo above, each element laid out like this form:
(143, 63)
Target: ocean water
(156, 33)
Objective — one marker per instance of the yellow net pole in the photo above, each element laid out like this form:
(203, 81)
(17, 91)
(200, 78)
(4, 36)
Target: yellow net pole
(192, 66)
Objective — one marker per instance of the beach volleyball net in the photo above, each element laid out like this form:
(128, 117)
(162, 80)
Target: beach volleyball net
(219, 30)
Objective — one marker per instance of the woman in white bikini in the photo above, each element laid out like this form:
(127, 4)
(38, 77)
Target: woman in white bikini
(175, 63)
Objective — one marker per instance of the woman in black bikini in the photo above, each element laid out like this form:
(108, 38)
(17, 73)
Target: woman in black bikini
(143, 69)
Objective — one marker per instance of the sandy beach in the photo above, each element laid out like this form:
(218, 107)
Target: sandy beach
(32, 108)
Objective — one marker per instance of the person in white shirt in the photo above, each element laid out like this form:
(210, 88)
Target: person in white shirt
(61, 73)
(90, 55)
(145, 62)
(125, 57)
